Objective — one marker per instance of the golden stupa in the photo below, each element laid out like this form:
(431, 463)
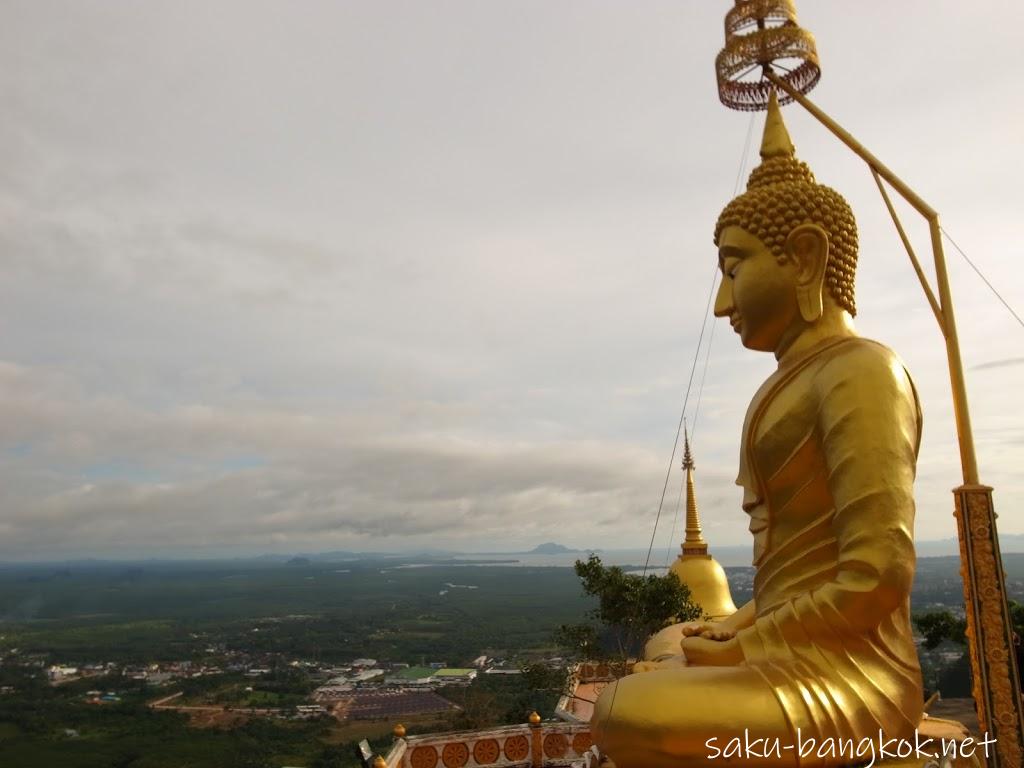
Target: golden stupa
(694, 567)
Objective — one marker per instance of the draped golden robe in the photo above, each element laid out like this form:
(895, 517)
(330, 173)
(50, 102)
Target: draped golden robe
(827, 468)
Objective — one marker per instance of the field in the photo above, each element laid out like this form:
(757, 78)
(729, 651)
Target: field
(333, 611)
(274, 612)
(42, 725)
(381, 608)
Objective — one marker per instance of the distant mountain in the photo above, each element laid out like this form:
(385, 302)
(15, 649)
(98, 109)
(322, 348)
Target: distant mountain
(550, 548)
(1008, 542)
(728, 555)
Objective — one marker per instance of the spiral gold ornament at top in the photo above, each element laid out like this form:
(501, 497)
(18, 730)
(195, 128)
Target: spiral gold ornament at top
(762, 34)
(782, 194)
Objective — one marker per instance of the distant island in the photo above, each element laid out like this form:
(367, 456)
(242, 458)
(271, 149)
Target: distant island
(551, 548)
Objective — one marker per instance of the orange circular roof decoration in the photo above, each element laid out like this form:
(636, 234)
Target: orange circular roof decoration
(762, 35)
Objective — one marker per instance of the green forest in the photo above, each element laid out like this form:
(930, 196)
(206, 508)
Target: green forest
(328, 612)
(320, 612)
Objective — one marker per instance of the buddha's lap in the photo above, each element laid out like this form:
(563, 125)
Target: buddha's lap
(683, 707)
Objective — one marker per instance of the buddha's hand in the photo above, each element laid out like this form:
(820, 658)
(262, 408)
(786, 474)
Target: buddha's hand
(709, 630)
(700, 651)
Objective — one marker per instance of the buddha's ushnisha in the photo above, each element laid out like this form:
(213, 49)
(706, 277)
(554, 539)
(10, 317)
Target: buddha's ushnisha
(828, 452)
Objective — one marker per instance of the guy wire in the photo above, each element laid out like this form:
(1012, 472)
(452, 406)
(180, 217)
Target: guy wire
(983, 278)
(696, 357)
(661, 503)
(679, 429)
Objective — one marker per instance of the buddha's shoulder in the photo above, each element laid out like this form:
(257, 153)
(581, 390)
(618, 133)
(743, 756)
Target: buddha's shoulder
(859, 349)
(838, 369)
(860, 360)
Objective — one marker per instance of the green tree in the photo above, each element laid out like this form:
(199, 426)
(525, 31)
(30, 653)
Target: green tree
(581, 641)
(937, 626)
(543, 677)
(1017, 617)
(492, 700)
(630, 608)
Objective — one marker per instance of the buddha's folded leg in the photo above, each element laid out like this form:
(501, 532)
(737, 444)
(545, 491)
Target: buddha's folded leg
(676, 718)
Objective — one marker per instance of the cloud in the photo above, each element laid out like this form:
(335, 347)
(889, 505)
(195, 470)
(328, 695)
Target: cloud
(1004, 363)
(327, 478)
(276, 280)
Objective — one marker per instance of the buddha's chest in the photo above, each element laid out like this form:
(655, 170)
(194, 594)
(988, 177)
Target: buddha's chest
(786, 483)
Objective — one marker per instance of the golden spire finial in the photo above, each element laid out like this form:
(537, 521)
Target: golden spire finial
(776, 141)
(694, 543)
(687, 456)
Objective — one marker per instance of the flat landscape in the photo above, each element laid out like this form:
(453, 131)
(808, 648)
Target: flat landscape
(233, 650)
(331, 611)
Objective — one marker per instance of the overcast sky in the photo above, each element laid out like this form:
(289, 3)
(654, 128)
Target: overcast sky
(294, 276)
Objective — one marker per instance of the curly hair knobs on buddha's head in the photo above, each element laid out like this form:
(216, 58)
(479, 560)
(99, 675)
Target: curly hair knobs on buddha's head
(782, 194)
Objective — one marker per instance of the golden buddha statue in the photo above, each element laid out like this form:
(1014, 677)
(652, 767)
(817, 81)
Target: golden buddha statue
(824, 650)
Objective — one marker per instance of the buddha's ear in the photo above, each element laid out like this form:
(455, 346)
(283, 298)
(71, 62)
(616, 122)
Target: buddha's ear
(807, 248)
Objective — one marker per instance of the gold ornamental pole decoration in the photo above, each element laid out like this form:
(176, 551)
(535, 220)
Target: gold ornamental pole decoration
(766, 51)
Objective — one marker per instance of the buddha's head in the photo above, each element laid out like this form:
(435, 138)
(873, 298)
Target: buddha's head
(787, 248)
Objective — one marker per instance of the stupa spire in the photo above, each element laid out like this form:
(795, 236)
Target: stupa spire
(694, 567)
(694, 544)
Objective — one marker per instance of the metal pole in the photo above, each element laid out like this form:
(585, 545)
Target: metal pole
(968, 459)
(990, 635)
(965, 435)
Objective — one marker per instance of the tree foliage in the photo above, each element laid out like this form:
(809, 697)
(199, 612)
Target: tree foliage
(937, 626)
(630, 608)
(492, 700)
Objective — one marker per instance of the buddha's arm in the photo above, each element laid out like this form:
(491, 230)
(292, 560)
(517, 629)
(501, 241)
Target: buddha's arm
(741, 619)
(668, 643)
(720, 646)
(868, 424)
(723, 629)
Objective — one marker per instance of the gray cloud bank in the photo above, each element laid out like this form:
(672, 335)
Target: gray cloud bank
(121, 480)
(402, 274)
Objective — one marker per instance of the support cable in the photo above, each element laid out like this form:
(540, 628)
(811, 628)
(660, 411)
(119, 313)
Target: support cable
(679, 429)
(704, 375)
(696, 357)
(983, 278)
(696, 415)
(686, 398)
(675, 517)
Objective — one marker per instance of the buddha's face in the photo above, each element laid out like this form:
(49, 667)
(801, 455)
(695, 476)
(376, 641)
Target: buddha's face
(757, 292)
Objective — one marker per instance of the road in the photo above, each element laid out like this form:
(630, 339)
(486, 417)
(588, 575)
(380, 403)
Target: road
(163, 704)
